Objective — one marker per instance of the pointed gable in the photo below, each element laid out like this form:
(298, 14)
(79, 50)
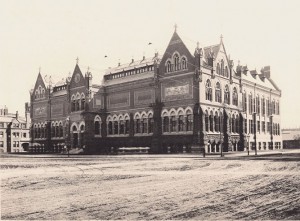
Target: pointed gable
(176, 45)
(39, 91)
(77, 79)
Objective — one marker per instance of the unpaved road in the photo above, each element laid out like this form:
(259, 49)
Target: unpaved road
(141, 187)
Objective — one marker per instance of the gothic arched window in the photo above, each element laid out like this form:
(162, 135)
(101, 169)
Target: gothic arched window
(218, 93)
(176, 62)
(226, 95)
(235, 97)
(208, 91)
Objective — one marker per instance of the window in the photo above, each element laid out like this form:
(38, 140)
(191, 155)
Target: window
(211, 122)
(169, 66)
(250, 104)
(222, 67)
(189, 121)
(263, 126)
(144, 124)
(218, 69)
(226, 72)
(165, 124)
(176, 62)
(217, 122)
(226, 95)
(208, 91)
(183, 63)
(180, 121)
(172, 122)
(263, 105)
(258, 126)
(246, 126)
(116, 126)
(1, 144)
(137, 125)
(206, 121)
(218, 93)
(122, 126)
(1, 133)
(126, 124)
(257, 105)
(24, 135)
(235, 97)
(150, 123)
(110, 128)
(233, 124)
(82, 102)
(97, 127)
(245, 101)
(73, 106)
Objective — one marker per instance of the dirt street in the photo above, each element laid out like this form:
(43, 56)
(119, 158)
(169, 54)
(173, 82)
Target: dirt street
(150, 187)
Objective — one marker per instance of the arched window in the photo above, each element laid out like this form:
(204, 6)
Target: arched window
(226, 95)
(127, 124)
(173, 122)
(176, 62)
(165, 122)
(97, 125)
(60, 130)
(189, 120)
(234, 97)
(226, 72)
(109, 125)
(218, 94)
(73, 105)
(222, 67)
(244, 101)
(122, 125)
(82, 102)
(169, 66)
(180, 121)
(77, 103)
(183, 63)
(211, 121)
(218, 69)
(150, 123)
(233, 124)
(217, 123)
(263, 106)
(137, 124)
(144, 123)
(115, 125)
(208, 91)
(206, 122)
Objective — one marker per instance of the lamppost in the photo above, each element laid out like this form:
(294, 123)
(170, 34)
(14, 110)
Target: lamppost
(220, 128)
(248, 137)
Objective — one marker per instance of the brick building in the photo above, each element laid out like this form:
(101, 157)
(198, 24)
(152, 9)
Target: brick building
(180, 101)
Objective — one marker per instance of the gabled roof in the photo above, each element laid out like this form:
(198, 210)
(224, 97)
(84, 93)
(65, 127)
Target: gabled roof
(39, 81)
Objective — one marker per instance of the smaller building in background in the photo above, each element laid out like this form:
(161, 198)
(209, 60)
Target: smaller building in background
(14, 130)
(291, 138)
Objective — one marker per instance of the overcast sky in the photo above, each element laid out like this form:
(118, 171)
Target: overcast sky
(51, 34)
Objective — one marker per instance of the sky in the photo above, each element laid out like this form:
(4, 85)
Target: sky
(51, 34)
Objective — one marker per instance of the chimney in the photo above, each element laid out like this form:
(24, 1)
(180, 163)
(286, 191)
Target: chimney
(17, 115)
(132, 60)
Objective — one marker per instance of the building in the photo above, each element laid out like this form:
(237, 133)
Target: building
(291, 138)
(178, 102)
(14, 131)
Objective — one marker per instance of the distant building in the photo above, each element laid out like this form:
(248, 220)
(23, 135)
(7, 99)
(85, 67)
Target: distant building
(14, 130)
(190, 97)
(291, 138)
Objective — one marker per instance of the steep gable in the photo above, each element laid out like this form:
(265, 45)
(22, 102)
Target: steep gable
(77, 79)
(40, 90)
(176, 45)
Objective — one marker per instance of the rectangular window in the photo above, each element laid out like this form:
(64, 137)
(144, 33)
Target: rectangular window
(1, 143)
(258, 126)
(1, 133)
(246, 127)
(24, 134)
(1, 125)
(263, 126)
(251, 126)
